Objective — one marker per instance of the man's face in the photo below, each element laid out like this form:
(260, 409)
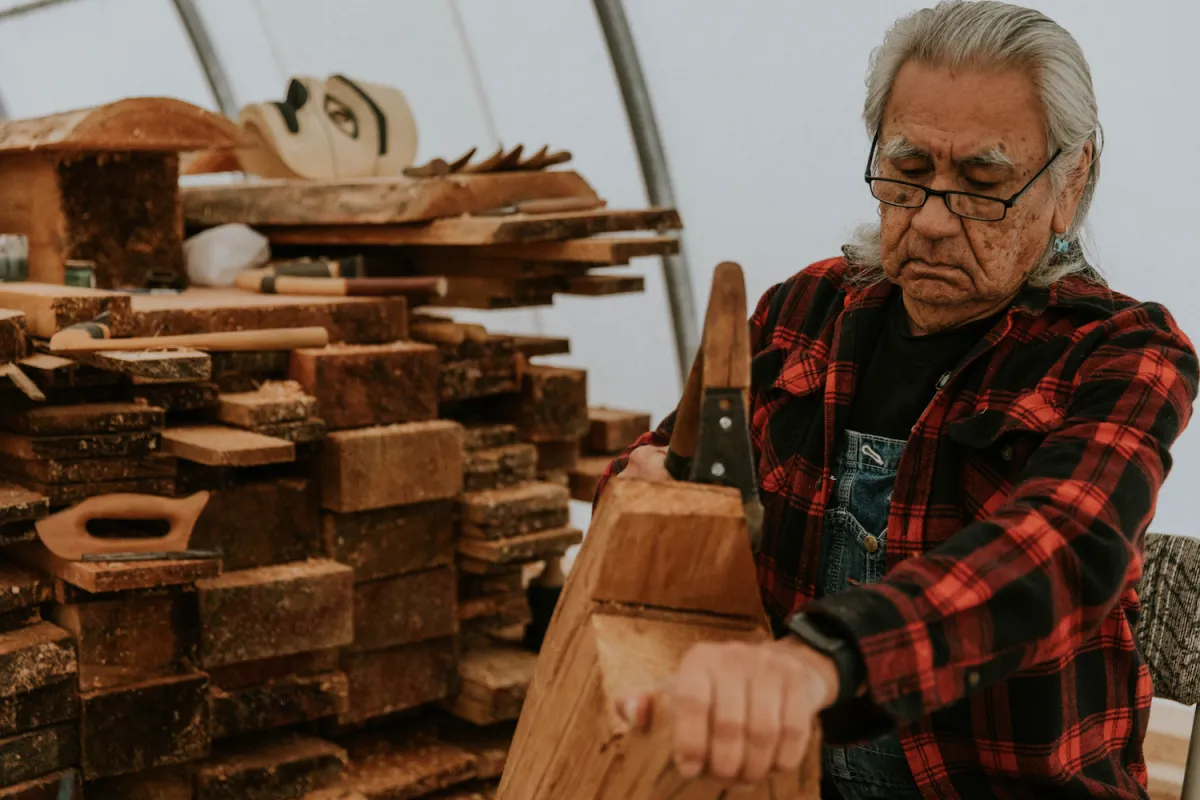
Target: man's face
(973, 131)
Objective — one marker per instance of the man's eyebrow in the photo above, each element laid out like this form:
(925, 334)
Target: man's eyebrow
(898, 148)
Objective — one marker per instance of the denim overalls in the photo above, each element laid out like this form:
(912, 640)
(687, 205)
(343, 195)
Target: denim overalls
(853, 551)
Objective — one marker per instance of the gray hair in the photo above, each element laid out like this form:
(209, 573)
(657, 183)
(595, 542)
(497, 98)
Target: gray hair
(956, 33)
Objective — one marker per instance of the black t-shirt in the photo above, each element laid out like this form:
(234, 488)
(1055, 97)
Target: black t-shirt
(903, 372)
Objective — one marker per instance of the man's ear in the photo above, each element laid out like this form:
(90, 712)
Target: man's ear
(1072, 193)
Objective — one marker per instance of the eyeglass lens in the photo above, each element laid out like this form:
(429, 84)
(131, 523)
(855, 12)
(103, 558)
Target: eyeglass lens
(899, 194)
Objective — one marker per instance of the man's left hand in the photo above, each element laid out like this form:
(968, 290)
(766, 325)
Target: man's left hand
(742, 711)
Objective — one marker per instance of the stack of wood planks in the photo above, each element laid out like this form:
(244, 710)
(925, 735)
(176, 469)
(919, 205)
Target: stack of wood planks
(610, 431)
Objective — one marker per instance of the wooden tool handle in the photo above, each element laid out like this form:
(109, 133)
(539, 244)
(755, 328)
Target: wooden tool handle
(66, 534)
(687, 423)
(226, 341)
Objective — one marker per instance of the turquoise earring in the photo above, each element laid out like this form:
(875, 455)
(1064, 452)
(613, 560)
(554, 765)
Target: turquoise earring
(1061, 245)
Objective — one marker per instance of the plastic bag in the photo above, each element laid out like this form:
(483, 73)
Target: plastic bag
(215, 256)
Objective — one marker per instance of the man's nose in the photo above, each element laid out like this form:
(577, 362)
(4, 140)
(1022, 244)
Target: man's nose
(935, 220)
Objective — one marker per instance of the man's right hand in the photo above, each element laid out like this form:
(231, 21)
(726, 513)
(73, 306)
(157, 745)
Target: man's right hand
(647, 463)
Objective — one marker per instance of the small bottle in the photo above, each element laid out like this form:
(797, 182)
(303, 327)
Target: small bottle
(14, 257)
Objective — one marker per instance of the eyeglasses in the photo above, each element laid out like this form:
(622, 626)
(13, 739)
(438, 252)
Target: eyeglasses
(964, 204)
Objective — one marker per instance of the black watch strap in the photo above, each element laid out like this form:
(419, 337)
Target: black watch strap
(827, 639)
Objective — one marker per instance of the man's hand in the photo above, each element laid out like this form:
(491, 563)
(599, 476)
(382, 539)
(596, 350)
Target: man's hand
(647, 463)
(741, 711)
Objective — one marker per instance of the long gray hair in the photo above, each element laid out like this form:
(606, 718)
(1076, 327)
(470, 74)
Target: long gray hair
(957, 33)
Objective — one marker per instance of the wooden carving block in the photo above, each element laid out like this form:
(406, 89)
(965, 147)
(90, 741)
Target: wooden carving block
(611, 430)
(286, 514)
(288, 766)
(39, 708)
(177, 397)
(164, 783)
(388, 766)
(89, 445)
(219, 446)
(277, 703)
(21, 587)
(47, 787)
(392, 541)
(389, 466)
(499, 467)
(33, 657)
(131, 639)
(273, 611)
(585, 477)
(30, 755)
(492, 684)
(622, 626)
(553, 404)
(488, 436)
(378, 384)
(82, 418)
(272, 403)
(113, 576)
(50, 307)
(13, 346)
(146, 725)
(514, 511)
(405, 609)
(354, 320)
(387, 681)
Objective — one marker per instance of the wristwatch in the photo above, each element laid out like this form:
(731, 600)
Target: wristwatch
(823, 637)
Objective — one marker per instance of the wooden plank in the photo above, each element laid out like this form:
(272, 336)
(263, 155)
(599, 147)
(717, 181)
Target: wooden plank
(93, 445)
(500, 610)
(262, 364)
(312, 430)
(18, 504)
(146, 725)
(13, 343)
(598, 251)
(177, 397)
(81, 418)
(532, 346)
(386, 681)
(493, 683)
(384, 766)
(272, 403)
(55, 471)
(274, 611)
(158, 124)
(394, 465)
(585, 477)
(66, 783)
(287, 766)
(393, 541)
(514, 510)
(34, 657)
(49, 308)
(515, 549)
(499, 467)
(254, 674)
(29, 755)
(361, 385)
(220, 446)
(39, 708)
(114, 576)
(553, 404)
(277, 703)
(611, 430)
(498, 293)
(373, 201)
(153, 366)
(557, 455)
(286, 515)
(468, 230)
(405, 609)
(485, 436)
(67, 494)
(353, 320)
(164, 783)
(126, 639)
(21, 587)
(604, 285)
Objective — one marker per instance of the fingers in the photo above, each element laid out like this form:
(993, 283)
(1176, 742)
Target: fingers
(691, 712)
(636, 710)
(764, 721)
(728, 737)
(795, 729)
(647, 463)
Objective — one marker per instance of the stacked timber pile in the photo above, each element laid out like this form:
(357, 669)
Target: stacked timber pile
(378, 504)
(610, 431)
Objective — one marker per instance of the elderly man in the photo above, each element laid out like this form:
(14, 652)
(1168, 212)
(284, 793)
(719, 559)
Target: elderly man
(961, 433)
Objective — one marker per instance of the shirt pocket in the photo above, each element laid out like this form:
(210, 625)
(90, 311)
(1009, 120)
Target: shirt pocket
(995, 444)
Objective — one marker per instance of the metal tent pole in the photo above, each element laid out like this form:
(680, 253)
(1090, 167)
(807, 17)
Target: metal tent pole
(653, 158)
(214, 72)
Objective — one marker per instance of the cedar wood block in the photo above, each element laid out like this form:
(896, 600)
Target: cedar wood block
(585, 477)
(164, 783)
(49, 308)
(488, 437)
(553, 403)
(611, 430)
(26, 756)
(89, 470)
(274, 611)
(18, 504)
(353, 320)
(82, 418)
(361, 385)
(527, 547)
(557, 456)
(48, 705)
(66, 494)
(386, 681)
(33, 657)
(12, 335)
(515, 510)
(88, 445)
(175, 397)
(277, 703)
(286, 523)
(21, 587)
(499, 467)
(47, 787)
(146, 725)
(493, 683)
(405, 609)
(392, 541)
(130, 639)
(283, 767)
(390, 466)
(272, 403)
(388, 766)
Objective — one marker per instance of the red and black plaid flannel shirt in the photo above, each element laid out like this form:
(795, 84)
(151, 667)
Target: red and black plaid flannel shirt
(1002, 637)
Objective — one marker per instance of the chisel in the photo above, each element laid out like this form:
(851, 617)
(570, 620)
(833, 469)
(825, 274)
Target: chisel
(416, 288)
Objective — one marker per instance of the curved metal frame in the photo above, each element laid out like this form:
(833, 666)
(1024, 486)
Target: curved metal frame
(202, 46)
